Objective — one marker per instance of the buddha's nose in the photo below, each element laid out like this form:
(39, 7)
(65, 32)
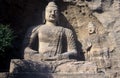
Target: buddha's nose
(52, 12)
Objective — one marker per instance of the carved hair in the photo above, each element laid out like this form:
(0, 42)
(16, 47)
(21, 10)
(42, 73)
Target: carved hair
(51, 4)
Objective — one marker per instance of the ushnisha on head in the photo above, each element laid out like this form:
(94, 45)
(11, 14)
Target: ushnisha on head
(51, 12)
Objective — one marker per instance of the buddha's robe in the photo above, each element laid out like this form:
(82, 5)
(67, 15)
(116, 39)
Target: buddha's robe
(53, 40)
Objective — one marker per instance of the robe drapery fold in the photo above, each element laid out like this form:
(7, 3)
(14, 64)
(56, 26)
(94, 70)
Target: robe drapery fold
(55, 40)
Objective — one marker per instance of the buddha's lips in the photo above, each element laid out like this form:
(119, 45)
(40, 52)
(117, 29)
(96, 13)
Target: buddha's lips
(52, 16)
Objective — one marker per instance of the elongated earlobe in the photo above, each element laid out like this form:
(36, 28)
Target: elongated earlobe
(43, 17)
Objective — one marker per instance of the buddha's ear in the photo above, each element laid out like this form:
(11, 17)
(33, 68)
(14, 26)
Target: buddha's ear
(58, 18)
(43, 17)
(44, 21)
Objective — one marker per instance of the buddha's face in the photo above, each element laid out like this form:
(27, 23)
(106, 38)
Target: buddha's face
(51, 14)
(91, 28)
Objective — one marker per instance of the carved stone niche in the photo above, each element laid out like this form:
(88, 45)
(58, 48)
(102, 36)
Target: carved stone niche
(77, 35)
(96, 47)
(90, 32)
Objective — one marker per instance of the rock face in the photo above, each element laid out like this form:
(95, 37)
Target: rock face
(76, 15)
(107, 14)
(52, 69)
(109, 18)
(95, 40)
(73, 67)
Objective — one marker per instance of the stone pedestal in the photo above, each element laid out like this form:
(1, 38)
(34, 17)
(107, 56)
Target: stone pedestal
(54, 75)
(52, 69)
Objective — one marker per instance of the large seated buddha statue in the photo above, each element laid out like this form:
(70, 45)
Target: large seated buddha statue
(54, 42)
(55, 51)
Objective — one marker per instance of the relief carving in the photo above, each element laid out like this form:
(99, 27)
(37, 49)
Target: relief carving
(55, 45)
(96, 47)
(54, 41)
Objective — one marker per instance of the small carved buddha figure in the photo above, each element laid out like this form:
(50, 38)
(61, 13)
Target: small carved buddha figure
(96, 47)
(54, 42)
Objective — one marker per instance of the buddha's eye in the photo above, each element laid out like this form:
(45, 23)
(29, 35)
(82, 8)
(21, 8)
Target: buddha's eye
(50, 11)
(56, 11)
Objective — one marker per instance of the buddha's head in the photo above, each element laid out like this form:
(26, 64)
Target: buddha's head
(91, 28)
(51, 12)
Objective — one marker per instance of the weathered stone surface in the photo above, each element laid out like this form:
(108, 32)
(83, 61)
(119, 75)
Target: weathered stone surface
(109, 19)
(78, 67)
(54, 42)
(63, 66)
(95, 5)
(77, 17)
(53, 75)
(100, 5)
(94, 42)
(53, 69)
(18, 66)
(4, 75)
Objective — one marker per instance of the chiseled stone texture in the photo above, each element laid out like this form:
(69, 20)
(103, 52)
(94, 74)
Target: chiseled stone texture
(53, 69)
(18, 66)
(79, 15)
(107, 12)
(4, 75)
(23, 14)
(63, 66)
(110, 20)
(53, 75)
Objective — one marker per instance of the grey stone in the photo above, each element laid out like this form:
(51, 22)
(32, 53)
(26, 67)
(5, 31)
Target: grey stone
(63, 66)
(53, 75)
(78, 16)
(54, 41)
(4, 74)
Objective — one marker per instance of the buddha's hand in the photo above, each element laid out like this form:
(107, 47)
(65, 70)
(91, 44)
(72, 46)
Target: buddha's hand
(54, 58)
(29, 50)
(89, 44)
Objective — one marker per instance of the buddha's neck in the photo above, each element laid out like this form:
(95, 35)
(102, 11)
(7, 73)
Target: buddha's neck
(50, 23)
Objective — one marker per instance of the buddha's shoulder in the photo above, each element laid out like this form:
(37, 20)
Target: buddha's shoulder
(61, 27)
(67, 30)
(36, 28)
(44, 27)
